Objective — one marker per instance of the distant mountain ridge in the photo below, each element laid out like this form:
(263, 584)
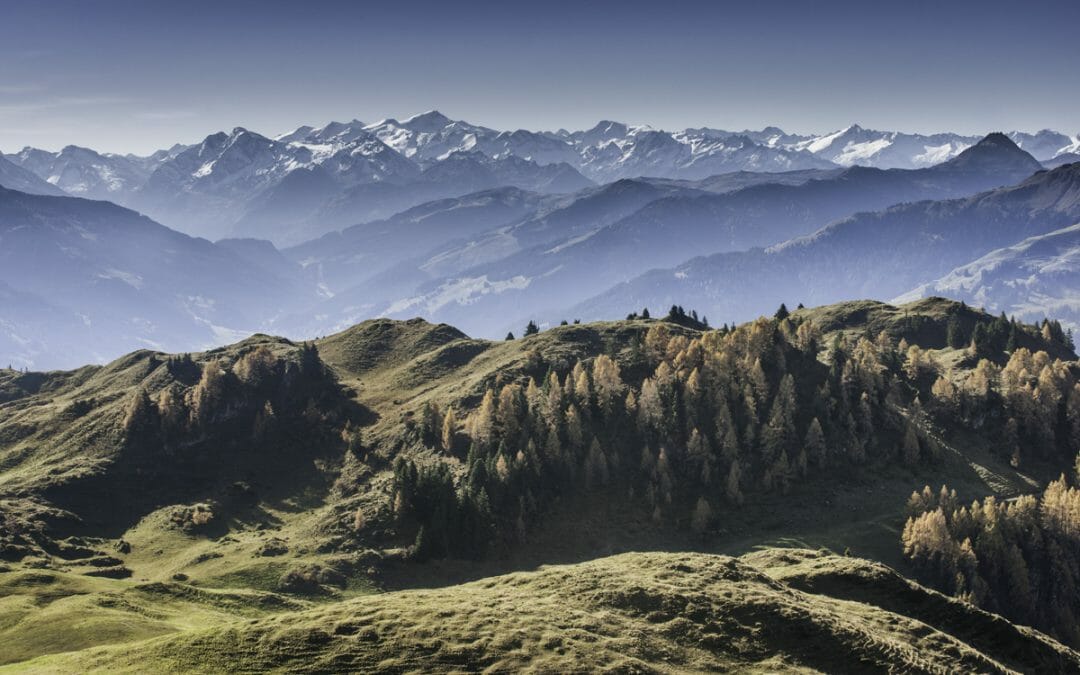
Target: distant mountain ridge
(875, 254)
(486, 261)
(542, 263)
(304, 183)
(80, 279)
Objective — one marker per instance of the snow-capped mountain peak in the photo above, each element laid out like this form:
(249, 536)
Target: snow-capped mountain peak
(429, 121)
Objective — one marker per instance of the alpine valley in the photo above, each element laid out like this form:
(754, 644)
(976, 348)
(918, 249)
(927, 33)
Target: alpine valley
(309, 232)
(426, 396)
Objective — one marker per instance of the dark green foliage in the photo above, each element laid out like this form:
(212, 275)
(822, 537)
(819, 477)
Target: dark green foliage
(724, 414)
(449, 523)
(1020, 559)
(955, 335)
(531, 329)
(680, 316)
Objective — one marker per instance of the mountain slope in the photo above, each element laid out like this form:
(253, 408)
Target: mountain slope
(131, 281)
(1036, 278)
(347, 258)
(559, 273)
(240, 506)
(15, 177)
(880, 254)
(633, 612)
(83, 172)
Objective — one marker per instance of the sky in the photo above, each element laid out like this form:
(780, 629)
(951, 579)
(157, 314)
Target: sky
(138, 75)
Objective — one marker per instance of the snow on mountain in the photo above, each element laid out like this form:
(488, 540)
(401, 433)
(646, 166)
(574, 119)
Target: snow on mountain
(538, 147)
(1044, 144)
(885, 149)
(1038, 277)
(210, 188)
(84, 172)
(308, 181)
(429, 136)
(15, 177)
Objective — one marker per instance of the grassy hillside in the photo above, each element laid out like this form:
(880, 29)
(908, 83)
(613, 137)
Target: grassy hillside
(795, 610)
(268, 481)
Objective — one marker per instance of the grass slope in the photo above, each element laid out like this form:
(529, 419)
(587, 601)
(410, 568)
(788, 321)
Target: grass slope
(629, 613)
(60, 446)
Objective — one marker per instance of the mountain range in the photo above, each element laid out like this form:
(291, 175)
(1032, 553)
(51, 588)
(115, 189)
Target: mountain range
(544, 268)
(885, 253)
(463, 458)
(494, 239)
(298, 185)
(79, 278)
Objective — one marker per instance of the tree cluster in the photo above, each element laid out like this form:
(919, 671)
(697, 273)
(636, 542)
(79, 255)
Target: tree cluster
(258, 399)
(1019, 558)
(719, 415)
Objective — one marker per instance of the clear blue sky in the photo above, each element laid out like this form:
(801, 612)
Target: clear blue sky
(139, 75)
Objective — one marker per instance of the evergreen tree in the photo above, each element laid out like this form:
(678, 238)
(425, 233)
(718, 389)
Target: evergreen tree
(954, 334)
(910, 450)
(778, 436)
(815, 443)
(702, 516)
(141, 421)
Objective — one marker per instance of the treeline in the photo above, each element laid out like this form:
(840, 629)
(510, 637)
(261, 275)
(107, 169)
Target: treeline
(1031, 406)
(1019, 558)
(719, 415)
(258, 399)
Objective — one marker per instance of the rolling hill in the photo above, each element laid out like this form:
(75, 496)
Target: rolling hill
(307, 506)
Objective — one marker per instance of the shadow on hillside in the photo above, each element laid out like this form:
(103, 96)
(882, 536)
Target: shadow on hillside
(856, 511)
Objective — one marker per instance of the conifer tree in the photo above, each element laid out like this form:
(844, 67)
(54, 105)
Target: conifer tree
(141, 421)
(699, 521)
(449, 430)
(778, 436)
(815, 443)
(596, 467)
(482, 422)
(910, 450)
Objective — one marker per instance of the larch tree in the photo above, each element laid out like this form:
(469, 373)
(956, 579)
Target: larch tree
(449, 430)
(814, 443)
(702, 516)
